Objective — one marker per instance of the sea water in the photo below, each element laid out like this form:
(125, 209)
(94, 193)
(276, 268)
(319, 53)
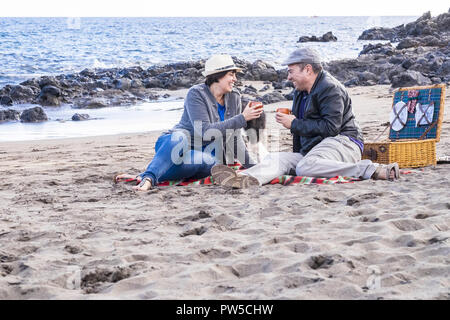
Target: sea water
(32, 47)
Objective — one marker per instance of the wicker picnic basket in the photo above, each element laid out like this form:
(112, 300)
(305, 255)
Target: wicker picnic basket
(413, 146)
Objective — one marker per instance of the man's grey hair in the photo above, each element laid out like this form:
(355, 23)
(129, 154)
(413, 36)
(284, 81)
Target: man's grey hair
(317, 67)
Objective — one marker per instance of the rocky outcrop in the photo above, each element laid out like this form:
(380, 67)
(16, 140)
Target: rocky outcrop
(92, 103)
(6, 101)
(250, 90)
(260, 71)
(80, 117)
(272, 97)
(327, 37)
(409, 78)
(380, 48)
(49, 96)
(425, 32)
(413, 66)
(379, 33)
(21, 94)
(9, 115)
(424, 26)
(102, 87)
(427, 41)
(421, 57)
(35, 114)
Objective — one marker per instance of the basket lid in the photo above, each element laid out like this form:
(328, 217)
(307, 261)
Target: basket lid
(425, 105)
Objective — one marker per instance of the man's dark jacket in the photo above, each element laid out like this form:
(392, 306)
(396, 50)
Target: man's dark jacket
(328, 112)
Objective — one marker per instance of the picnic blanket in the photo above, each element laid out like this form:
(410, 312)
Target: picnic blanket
(285, 180)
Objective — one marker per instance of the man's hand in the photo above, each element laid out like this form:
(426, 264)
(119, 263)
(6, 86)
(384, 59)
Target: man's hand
(285, 119)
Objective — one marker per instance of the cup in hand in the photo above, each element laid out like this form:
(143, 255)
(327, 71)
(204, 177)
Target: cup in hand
(256, 105)
(284, 110)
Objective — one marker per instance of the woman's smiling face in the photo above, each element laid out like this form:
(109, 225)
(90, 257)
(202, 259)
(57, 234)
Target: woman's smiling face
(226, 83)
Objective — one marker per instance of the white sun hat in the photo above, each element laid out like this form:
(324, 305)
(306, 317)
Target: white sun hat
(218, 63)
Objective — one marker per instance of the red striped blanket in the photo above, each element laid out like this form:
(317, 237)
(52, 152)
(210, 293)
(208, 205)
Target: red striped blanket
(285, 180)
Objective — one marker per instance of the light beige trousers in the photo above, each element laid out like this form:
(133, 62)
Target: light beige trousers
(333, 156)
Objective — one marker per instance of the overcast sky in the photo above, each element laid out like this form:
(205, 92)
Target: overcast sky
(216, 8)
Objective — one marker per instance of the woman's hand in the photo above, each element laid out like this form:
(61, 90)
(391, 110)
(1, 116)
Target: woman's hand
(251, 113)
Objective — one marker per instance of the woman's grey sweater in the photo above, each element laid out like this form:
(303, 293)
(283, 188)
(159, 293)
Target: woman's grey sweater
(200, 120)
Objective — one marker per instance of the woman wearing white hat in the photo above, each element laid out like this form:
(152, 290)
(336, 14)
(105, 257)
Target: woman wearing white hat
(208, 132)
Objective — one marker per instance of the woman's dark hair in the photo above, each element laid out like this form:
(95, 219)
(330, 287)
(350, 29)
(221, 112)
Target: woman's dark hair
(216, 77)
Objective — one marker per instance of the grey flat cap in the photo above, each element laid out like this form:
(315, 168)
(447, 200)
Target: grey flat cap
(305, 55)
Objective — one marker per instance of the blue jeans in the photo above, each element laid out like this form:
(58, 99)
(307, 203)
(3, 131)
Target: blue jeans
(182, 163)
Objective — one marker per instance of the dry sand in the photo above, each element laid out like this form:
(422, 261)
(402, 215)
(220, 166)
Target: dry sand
(67, 232)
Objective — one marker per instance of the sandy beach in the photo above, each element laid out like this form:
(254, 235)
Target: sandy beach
(68, 232)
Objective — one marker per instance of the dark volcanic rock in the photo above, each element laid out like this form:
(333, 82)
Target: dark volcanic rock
(51, 90)
(250, 90)
(367, 78)
(408, 43)
(136, 83)
(327, 37)
(282, 74)
(31, 83)
(35, 114)
(420, 58)
(91, 103)
(265, 88)
(88, 73)
(261, 71)
(445, 68)
(427, 41)
(48, 81)
(21, 93)
(407, 63)
(102, 84)
(410, 78)
(131, 73)
(49, 96)
(123, 84)
(6, 101)
(379, 33)
(152, 83)
(379, 48)
(396, 59)
(80, 117)
(9, 115)
(432, 41)
(422, 27)
(272, 97)
(346, 69)
(175, 79)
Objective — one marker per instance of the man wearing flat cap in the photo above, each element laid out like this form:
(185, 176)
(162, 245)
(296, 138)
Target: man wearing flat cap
(327, 140)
